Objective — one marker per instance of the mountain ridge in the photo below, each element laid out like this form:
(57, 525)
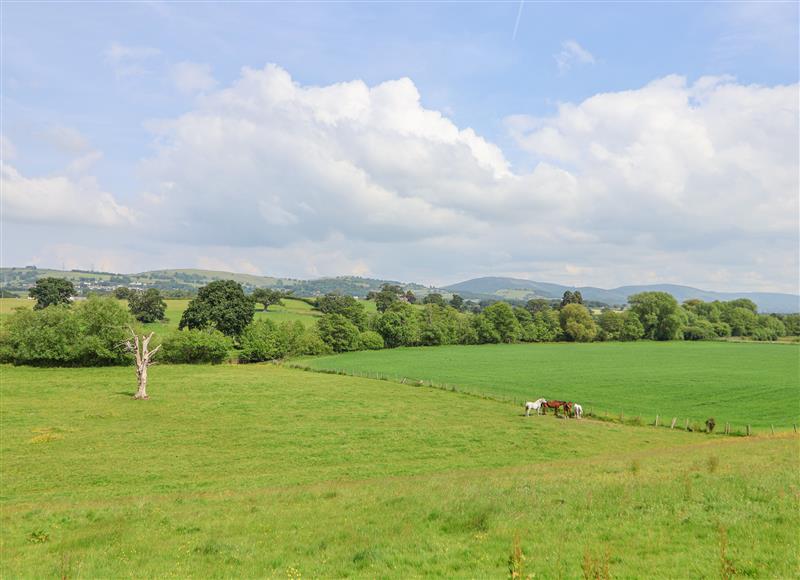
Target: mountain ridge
(523, 289)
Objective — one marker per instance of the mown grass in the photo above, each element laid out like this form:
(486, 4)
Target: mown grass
(740, 383)
(257, 471)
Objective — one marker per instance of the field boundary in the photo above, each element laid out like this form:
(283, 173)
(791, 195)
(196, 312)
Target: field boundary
(686, 424)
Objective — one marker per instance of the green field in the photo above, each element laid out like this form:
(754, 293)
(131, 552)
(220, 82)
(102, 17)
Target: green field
(739, 383)
(263, 471)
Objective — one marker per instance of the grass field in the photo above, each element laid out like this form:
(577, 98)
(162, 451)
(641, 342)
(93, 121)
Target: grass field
(740, 383)
(259, 471)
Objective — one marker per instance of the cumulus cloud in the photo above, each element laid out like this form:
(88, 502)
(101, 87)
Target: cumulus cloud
(59, 200)
(572, 53)
(677, 164)
(192, 77)
(270, 162)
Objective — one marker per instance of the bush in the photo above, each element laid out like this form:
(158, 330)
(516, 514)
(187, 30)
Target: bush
(91, 334)
(147, 306)
(196, 346)
(338, 332)
(370, 340)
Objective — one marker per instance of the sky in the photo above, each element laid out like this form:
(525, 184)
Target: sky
(581, 143)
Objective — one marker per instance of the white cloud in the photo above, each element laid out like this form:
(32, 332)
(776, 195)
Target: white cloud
(59, 200)
(66, 139)
(270, 162)
(192, 77)
(572, 53)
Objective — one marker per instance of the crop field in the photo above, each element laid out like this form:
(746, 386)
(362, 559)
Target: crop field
(260, 470)
(740, 383)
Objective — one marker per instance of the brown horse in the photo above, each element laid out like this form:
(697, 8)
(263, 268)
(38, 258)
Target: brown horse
(555, 405)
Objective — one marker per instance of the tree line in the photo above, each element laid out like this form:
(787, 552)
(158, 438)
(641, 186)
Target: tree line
(220, 321)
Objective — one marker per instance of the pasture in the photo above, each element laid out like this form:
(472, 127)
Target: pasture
(254, 471)
(742, 383)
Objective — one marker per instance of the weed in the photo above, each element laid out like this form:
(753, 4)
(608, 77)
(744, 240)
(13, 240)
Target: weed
(516, 561)
(38, 537)
(726, 568)
(596, 567)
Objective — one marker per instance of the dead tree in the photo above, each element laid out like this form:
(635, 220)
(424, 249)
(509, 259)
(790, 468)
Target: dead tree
(144, 358)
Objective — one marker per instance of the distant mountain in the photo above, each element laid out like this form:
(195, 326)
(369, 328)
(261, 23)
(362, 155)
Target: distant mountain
(526, 289)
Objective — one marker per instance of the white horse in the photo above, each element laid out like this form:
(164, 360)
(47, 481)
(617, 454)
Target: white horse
(534, 406)
(578, 410)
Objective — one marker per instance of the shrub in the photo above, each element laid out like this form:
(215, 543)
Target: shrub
(196, 346)
(338, 332)
(91, 334)
(370, 340)
(147, 306)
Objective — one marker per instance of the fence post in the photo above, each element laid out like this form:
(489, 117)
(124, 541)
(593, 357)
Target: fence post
(795, 427)
(748, 430)
(674, 420)
(773, 429)
(656, 419)
(727, 428)
(686, 427)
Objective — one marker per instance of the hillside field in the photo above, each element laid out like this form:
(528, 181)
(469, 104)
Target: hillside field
(264, 471)
(739, 383)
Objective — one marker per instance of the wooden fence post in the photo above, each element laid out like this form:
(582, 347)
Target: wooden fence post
(748, 430)
(727, 428)
(795, 427)
(674, 420)
(656, 419)
(686, 427)
(772, 427)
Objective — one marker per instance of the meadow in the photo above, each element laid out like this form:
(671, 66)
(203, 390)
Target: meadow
(740, 383)
(260, 470)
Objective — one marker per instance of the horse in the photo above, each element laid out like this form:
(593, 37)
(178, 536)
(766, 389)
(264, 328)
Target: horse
(578, 411)
(555, 405)
(534, 406)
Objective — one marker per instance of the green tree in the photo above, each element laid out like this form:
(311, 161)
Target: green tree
(504, 321)
(147, 306)
(434, 298)
(611, 324)
(571, 298)
(267, 297)
(437, 325)
(577, 323)
(347, 306)
(398, 325)
(370, 340)
(485, 332)
(338, 332)
(535, 305)
(660, 315)
(221, 304)
(388, 295)
(546, 325)
(122, 293)
(51, 292)
(632, 329)
(457, 302)
(103, 324)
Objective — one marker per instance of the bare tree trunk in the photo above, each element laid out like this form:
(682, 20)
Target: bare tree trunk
(144, 358)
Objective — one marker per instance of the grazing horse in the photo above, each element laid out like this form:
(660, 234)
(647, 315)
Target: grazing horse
(568, 408)
(534, 406)
(578, 411)
(555, 405)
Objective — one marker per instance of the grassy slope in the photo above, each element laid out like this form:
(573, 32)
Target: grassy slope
(741, 383)
(256, 471)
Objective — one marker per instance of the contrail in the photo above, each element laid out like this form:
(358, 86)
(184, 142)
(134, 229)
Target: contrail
(516, 24)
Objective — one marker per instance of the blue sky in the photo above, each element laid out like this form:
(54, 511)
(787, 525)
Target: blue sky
(98, 100)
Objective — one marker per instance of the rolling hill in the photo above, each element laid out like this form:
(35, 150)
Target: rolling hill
(526, 289)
